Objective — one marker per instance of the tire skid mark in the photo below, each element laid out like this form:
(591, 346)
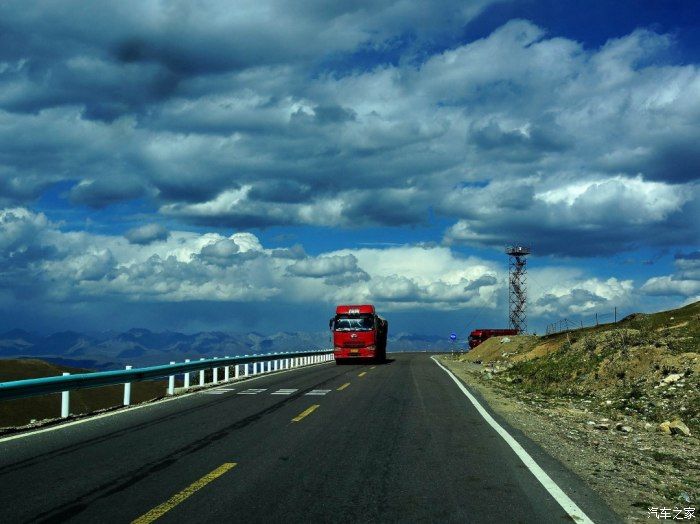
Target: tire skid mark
(114, 486)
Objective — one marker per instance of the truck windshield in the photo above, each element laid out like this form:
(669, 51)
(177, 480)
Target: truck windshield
(346, 323)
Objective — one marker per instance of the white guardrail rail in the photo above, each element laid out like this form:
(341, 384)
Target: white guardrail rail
(241, 369)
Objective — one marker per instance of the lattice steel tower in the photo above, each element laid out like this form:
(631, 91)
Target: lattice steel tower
(517, 278)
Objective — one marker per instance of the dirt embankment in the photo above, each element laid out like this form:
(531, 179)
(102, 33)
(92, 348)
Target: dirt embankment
(23, 411)
(618, 404)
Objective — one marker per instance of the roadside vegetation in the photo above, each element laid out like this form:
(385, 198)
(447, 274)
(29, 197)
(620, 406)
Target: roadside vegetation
(618, 403)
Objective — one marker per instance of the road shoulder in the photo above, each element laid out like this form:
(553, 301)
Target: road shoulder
(561, 440)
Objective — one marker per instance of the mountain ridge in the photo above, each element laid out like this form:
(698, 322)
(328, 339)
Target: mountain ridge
(143, 347)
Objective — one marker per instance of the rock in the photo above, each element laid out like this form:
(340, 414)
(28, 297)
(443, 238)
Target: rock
(602, 426)
(674, 377)
(647, 425)
(626, 429)
(505, 340)
(678, 428)
(590, 423)
(665, 427)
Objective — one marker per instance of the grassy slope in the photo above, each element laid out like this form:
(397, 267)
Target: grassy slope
(22, 411)
(623, 363)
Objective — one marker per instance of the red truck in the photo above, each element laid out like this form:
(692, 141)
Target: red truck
(358, 334)
(477, 336)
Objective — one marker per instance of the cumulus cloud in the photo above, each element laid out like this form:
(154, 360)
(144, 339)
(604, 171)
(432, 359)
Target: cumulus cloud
(73, 267)
(323, 266)
(219, 128)
(336, 270)
(40, 262)
(603, 215)
(684, 282)
(147, 233)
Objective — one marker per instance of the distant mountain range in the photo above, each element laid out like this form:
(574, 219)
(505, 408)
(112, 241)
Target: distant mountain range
(142, 347)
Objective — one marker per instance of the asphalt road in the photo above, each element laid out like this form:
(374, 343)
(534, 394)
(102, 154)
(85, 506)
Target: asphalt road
(397, 442)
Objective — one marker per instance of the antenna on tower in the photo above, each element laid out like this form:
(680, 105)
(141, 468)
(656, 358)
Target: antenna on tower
(517, 278)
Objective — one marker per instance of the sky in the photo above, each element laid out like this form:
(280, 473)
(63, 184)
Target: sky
(246, 166)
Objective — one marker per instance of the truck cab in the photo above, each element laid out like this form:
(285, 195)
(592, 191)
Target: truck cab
(359, 334)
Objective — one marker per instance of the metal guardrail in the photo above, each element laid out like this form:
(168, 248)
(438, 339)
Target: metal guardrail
(66, 383)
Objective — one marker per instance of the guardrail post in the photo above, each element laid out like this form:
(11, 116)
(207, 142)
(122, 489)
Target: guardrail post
(187, 376)
(227, 372)
(65, 401)
(201, 375)
(275, 363)
(127, 390)
(246, 370)
(171, 382)
(215, 374)
(236, 371)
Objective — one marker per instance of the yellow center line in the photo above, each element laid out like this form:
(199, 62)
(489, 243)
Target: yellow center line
(176, 499)
(362, 374)
(306, 413)
(341, 388)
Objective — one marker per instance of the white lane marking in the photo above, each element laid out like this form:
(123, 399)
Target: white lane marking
(129, 409)
(284, 392)
(318, 392)
(251, 391)
(554, 490)
(215, 392)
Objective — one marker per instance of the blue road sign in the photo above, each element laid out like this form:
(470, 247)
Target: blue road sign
(453, 336)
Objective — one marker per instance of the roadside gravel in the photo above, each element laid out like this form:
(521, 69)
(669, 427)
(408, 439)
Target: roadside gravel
(629, 462)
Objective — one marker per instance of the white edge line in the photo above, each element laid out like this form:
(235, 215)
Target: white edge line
(554, 490)
(129, 409)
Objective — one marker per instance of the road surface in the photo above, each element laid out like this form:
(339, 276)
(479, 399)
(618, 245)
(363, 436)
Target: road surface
(396, 442)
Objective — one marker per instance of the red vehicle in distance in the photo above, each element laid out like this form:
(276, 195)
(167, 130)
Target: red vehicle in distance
(477, 336)
(359, 334)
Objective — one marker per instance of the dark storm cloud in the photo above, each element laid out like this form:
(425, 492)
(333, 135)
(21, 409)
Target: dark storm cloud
(329, 114)
(582, 219)
(519, 145)
(105, 191)
(486, 280)
(227, 117)
(287, 191)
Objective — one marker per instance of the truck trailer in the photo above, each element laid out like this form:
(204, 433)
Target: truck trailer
(478, 336)
(359, 334)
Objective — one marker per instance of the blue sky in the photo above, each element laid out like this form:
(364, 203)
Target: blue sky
(177, 167)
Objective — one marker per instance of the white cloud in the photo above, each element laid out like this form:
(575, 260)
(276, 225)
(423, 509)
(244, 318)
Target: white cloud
(599, 140)
(147, 234)
(684, 282)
